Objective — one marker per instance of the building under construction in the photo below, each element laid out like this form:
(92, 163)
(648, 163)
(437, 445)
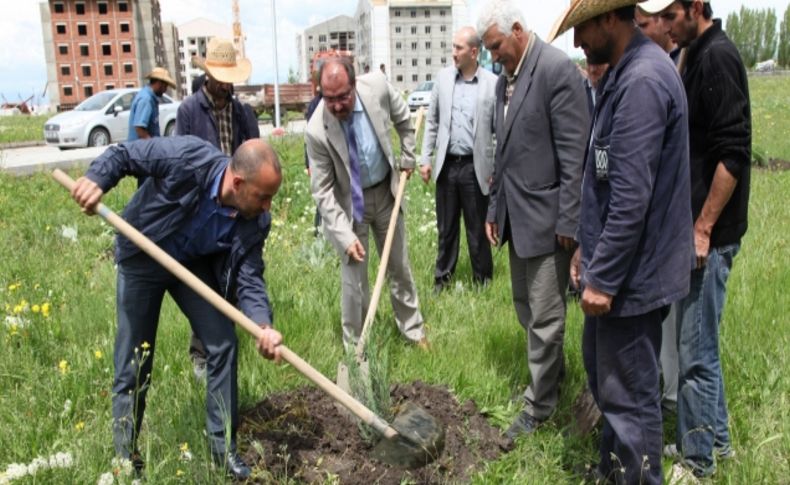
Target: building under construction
(94, 45)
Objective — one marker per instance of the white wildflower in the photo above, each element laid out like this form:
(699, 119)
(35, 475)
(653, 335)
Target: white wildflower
(69, 232)
(186, 455)
(16, 321)
(123, 464)
(66, 409)
(15, 470)
(106, 479)
(61, 460)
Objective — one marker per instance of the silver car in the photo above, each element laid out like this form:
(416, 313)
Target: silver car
(103, 119)
(420, 96)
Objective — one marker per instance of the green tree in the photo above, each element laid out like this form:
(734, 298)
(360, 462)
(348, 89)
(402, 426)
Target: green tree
(292, 77)
(753, 31)
(783, 58)
(769, 38)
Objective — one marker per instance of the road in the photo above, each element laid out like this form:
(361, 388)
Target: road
(27, 160)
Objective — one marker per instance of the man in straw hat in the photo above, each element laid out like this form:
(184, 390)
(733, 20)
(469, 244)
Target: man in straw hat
(211, 113)
(635, 243)
(144, 113)
(542, 121)
(720, 138)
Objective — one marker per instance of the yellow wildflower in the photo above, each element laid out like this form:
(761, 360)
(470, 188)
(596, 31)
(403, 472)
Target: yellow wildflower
(35, 308)
(184, 446)
(80, 426)
(179, 473)
(14, 286)
(36, 286)
(63, 366)
(98, 354)
(145, 345)
(13, 330)
(45, 309)
(18, 309)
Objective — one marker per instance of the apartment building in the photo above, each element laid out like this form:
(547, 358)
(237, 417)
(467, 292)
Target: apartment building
(94, 45)
(193, 37)
(173, 59)
(338, 33)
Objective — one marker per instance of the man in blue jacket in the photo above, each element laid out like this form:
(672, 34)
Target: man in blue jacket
(635, 232)
(211, 213)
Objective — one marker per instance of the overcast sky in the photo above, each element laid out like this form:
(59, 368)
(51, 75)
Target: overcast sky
(22, 66)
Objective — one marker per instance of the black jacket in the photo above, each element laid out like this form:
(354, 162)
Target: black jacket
(720, 128)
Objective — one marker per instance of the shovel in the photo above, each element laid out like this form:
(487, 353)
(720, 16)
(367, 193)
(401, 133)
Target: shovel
(343, 379)
(413, 439)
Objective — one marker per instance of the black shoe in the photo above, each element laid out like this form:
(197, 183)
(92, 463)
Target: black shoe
(524, 424)
(438, 287)
(234, 466)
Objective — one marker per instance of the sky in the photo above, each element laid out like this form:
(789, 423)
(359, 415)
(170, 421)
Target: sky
(23, 71)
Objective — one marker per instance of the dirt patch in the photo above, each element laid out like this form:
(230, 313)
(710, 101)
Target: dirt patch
(776, 165)
(302, 436)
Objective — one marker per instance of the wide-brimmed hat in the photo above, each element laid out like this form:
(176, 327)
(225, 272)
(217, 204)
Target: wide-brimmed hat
(161, 74)
(656, 6)
(582, 10)
(221, 62)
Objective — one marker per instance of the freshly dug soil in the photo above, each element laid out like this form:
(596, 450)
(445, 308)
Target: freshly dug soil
(304, 437)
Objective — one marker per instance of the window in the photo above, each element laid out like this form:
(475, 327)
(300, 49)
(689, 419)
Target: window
(398, 62)
(127, 68)
(322, 38)
(397, 29)
(413, 14)
(397, 13)
(86, 70)
(310, 38)
(124, 27)
(88, 91)
(60, 29)
(84, 50)
(427, 29)
(123, 7)
(59, 8)
(65, 70)
(428, 44)
(102, 8)
(413, 29)
(80, 7)
(414, 77)
(427, 61)
(427, 13)
(67, 91)
(444, 61)
(104, 29)
(109, 86)
(351, 47)
(126, 47)
(108, 69)
(333, 35)
(82, 29)
(444, 45)
(130, 85)
(427, 77)
(63, 49)
(442, 28)
(414, 46)
(414, 62)
(398, 45)
(399, 78)
(106, 50)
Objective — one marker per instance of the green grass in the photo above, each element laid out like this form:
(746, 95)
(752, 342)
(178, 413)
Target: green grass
(22, 128)
(478, 344)
(770, 98)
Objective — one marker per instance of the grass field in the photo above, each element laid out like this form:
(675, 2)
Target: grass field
(770, 98)
(57, 330)
(22, 128)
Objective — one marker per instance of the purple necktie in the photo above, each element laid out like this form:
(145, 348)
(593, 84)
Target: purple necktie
(357, 200)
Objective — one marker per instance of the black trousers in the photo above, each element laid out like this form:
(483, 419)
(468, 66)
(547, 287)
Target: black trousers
(457, 192)
(621, 359)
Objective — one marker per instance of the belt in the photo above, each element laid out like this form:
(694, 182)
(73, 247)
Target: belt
(380, 182)
(458, 158)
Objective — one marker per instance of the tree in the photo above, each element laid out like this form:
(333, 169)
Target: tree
(753, 31)
(783, 58)
(768, 30)
(292, 77)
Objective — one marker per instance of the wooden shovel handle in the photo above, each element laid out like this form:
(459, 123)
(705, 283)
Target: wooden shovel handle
(233, 313)
(385, 252)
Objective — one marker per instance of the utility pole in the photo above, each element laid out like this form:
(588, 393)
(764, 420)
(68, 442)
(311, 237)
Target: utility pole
(276, 73)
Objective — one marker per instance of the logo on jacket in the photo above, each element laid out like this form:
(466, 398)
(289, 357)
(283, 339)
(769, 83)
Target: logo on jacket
(602, 163)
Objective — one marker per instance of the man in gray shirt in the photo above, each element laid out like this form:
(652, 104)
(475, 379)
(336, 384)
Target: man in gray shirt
(459, 132)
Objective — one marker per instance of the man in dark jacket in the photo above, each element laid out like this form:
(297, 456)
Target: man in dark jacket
(210, 213)
(635, 244)
(213, 114)
(720, 139)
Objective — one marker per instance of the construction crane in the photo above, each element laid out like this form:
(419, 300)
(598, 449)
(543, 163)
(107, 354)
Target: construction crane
(238, 35)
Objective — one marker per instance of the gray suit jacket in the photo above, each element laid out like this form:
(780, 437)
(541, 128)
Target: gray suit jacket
(327, 150)
(437, 124)
(540, 152)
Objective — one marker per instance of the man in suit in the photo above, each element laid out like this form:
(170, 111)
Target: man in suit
(542, 122)
(354, 180)
(459, 126)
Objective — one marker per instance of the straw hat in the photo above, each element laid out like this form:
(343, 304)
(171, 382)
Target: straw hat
(161, 74)
(656, 6)
(582, 10)
(221, 63)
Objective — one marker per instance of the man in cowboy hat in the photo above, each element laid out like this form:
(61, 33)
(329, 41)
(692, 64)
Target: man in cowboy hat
(541, 121)
(720, 138)
(144, 113)
(635, 243)
(213, 114)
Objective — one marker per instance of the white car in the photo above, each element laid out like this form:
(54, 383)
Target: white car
(103, 119)
(420, 96)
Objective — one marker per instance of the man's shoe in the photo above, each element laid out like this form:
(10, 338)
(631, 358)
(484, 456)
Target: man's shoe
(720, 452)
(438, 287)
(524, 424)
(234, 466)
(199, 367)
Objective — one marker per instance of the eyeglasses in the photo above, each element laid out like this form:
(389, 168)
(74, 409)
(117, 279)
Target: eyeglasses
(340, 98)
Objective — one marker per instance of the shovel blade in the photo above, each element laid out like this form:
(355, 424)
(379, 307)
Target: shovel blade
(420, 439)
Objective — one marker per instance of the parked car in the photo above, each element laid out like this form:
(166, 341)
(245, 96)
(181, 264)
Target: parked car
(420, 96)
(103, 119)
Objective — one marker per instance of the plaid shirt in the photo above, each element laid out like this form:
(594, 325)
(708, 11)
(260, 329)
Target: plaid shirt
(511, 79)
(224, 120)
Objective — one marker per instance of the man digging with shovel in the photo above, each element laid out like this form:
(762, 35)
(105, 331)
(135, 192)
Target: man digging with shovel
(210, 213)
